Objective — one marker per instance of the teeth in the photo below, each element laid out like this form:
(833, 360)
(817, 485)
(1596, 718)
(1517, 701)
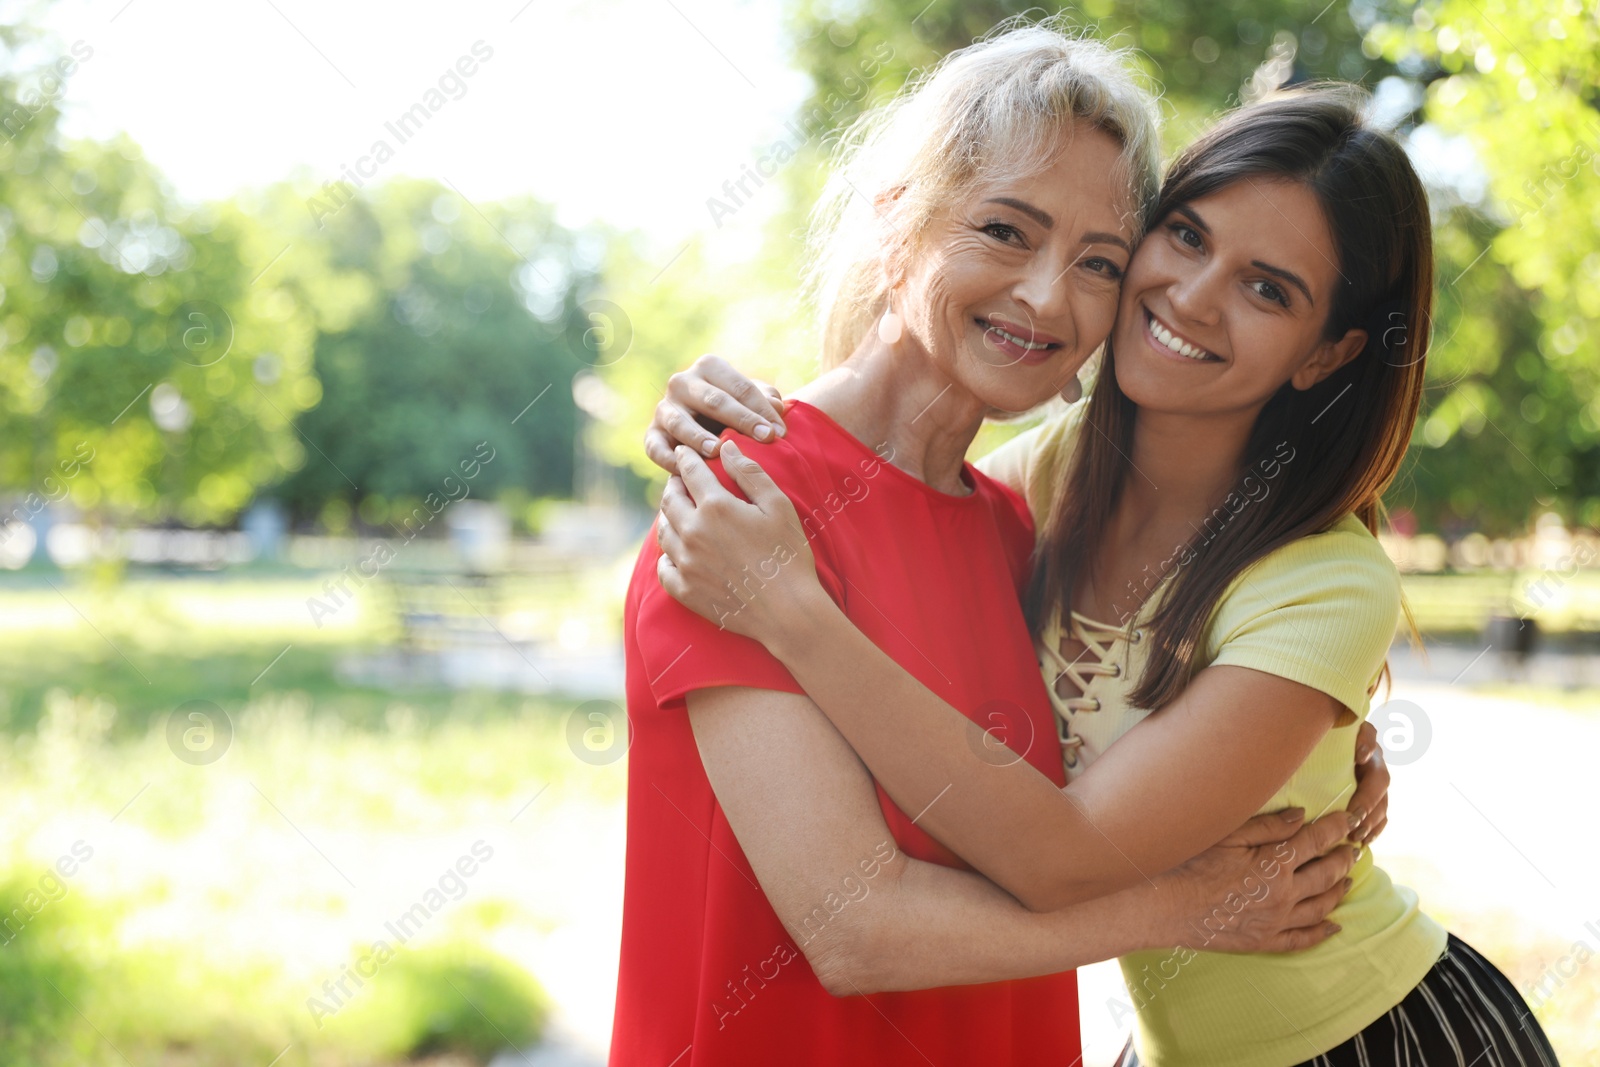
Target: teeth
(1174, 342)
(1032, 346)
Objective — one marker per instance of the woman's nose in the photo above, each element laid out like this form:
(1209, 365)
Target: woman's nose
(1193, 297)
(1043, 289)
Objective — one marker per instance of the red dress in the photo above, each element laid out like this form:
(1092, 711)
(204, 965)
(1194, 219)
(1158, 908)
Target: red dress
(709, 975)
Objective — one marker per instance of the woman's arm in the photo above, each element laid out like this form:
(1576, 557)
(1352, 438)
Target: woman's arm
(1147, 806)
(869, 919)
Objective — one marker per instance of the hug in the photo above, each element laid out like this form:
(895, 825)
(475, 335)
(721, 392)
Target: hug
(1100, 711)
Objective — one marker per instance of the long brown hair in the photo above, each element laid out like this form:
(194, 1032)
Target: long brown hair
(1348, 433)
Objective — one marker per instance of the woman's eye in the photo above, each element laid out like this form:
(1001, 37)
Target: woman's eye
(1002, 231)
(1184, 234)
(1273, 293)
(1104, 266)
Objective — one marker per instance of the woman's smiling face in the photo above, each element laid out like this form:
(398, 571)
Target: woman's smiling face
(1228, 298)
(1013, 288)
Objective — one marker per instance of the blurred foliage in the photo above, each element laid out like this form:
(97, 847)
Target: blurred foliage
(202, 923)
(124, 377)
(161, 1004)
(1513, 422)
(692, 308)
(434, 333)
(41, 973)
(162, 641)
(162, 361)
(446, 998)
(1498, 105)
(1198, 55)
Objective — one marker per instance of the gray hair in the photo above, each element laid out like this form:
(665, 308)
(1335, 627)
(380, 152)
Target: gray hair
(996, 108)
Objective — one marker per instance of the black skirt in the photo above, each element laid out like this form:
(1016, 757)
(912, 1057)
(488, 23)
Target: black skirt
(1464, 1013)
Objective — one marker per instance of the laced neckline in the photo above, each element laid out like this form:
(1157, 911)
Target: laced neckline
(1100, 641)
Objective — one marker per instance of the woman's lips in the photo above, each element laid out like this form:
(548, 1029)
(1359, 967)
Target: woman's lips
(1018, 343)
(1162, 349)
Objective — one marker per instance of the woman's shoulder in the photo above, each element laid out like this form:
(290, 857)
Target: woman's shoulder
(1342, 568)
(803, 463)
(1321, 610)
(1347, 547)
(818, 464)
(813, 452)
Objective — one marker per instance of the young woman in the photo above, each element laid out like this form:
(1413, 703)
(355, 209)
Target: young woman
(771, 885)
(1208, 593)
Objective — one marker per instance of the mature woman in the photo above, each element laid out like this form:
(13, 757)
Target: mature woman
(1208, 596)
(770, 880)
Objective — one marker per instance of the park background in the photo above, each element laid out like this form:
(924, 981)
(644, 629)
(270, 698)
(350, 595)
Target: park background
(327, 335)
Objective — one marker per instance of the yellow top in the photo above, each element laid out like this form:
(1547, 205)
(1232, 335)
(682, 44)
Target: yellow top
(1321, 611)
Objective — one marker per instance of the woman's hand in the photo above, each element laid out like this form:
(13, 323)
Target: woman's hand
(1267, 887)
(1369, 807)
(704, 400)
(744, 566)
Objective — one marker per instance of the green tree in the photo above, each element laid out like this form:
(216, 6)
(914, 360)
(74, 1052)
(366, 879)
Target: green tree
(670, 321)
(440, 325)
(1513, 422)
(1200, 56)
(134, 329)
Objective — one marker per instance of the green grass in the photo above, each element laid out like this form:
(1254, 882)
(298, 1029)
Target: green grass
(71, 994)
(220, 897)
(205, 923)
(1456, 606)
(1462, 603)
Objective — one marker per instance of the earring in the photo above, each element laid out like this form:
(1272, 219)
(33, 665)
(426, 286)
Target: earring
(890, 327)
(1072, 392)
